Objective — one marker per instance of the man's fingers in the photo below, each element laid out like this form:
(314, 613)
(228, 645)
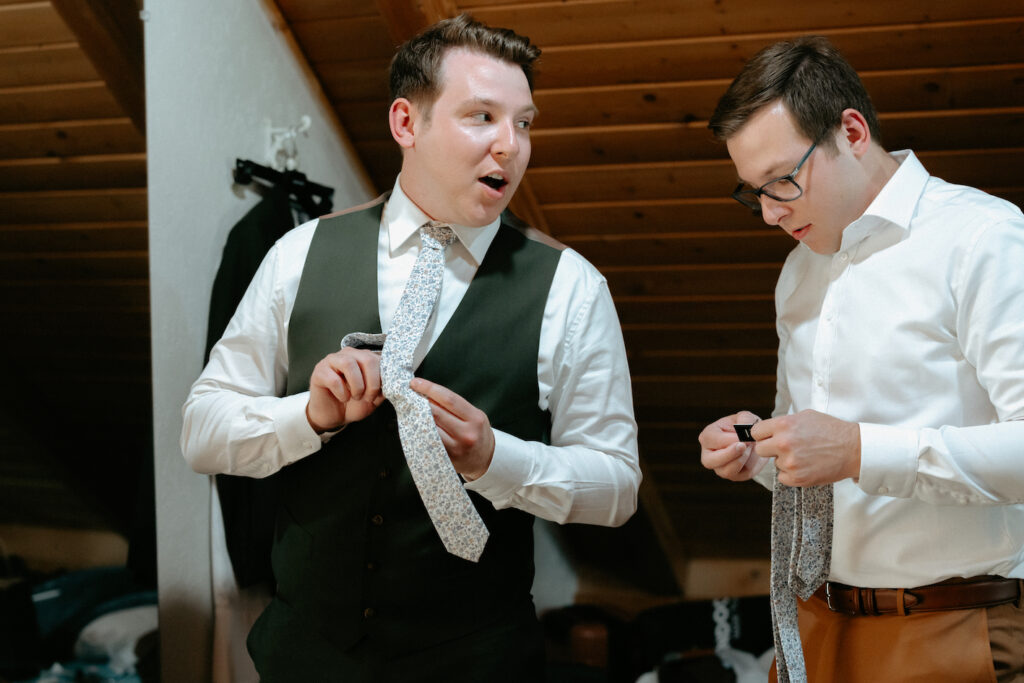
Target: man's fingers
(441, 396)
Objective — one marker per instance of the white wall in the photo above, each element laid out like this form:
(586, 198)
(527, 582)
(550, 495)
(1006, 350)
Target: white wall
(215, 71)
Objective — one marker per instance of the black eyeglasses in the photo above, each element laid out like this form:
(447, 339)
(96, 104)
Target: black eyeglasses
(781, 189)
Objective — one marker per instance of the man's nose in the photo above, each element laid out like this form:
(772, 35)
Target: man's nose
(506, 142)
(773, 211)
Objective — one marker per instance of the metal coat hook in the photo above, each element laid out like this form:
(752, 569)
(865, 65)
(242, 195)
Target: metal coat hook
(282, 150)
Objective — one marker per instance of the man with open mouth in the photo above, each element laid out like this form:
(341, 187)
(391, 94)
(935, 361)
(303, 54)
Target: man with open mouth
(523, 369)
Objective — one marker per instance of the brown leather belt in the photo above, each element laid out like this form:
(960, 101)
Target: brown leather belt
(981, 591)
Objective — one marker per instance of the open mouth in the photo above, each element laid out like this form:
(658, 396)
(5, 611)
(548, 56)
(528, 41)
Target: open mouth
(494, 181)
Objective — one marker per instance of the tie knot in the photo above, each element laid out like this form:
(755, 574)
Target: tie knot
(438, 232)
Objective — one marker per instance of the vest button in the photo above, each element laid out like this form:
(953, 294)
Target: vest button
(384, 473)
(368, 613)
(371, 566)
(377, 520)
(393, 424)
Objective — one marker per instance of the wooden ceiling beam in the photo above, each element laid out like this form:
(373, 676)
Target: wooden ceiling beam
(406, 18)
(110, 34)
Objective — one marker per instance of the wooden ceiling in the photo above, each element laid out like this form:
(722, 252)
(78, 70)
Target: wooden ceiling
(74, 288)
(623, 170)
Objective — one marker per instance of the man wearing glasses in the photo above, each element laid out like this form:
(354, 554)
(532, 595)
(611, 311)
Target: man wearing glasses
(900, 385)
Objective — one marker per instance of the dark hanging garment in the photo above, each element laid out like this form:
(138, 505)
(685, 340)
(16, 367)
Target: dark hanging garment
(248, 505)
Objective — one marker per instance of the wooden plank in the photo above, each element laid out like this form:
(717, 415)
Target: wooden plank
(681, 179)
(657, 180)
(110, 33)
(115, 366)
(964, 44)
(406, 18)
(963, 129)
(984, 86)
(700, 336)
(607, 21)
(61, 295)
(977, 168)
(354, 81)
(31, 23)
(43, 64)
(711, 578)
(696, 308)
(656, 215)
(741, 362)
(70, 138)
(59, 102)
(946, 87)
(50, 206)
(93, 340)
(641, 143)
(67, 324)
(111, 170)
(74, 266)
(741, 278)
(699, 416)
(74, 236)
(366, 121)
(309, 10)
(725, 393)
(624, 144)
(345, 39)
(738, 246)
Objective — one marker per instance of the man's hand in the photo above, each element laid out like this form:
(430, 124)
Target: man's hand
(722, 451)
(465, 430)
(344, 388)
(810, 448)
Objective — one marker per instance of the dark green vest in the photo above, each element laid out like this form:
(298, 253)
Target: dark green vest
(355, 553)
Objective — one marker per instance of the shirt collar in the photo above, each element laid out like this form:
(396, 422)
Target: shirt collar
(895, 204)
(404, 219)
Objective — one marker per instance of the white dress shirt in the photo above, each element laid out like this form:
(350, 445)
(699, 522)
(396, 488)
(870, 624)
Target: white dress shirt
(237, 421)
(915, 330)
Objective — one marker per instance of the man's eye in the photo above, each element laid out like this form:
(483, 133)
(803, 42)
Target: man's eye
(525, 124)
(482, 117)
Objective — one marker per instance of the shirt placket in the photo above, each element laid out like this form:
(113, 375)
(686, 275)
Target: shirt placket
(826, 338)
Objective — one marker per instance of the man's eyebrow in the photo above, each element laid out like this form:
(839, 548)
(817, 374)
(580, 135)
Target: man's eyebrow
(487, 102)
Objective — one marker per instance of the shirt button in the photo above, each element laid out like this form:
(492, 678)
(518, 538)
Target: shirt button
(377, 520)
(819, 381)
(883, 490)
(844, 257)
(307, 444)
(368, 613)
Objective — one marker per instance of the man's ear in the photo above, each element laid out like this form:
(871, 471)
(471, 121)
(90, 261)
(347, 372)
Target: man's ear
(403, 119)
(856, 131)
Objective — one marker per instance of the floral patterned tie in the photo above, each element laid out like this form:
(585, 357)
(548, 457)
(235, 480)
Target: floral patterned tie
(801, 556)
(455, 518)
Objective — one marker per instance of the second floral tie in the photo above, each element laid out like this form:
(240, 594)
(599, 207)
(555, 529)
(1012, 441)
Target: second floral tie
(801, 556)
(452, 512)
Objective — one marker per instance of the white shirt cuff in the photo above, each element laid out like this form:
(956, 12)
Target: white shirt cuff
(509, 470)
(888, 460)
(294, 433)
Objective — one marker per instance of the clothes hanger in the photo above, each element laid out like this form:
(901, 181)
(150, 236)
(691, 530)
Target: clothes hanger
(314, 198)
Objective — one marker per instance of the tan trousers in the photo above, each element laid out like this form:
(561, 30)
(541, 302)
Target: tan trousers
(958, 646)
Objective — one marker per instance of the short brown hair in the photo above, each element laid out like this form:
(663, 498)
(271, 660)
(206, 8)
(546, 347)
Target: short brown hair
(810, 77)
(415, 72)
